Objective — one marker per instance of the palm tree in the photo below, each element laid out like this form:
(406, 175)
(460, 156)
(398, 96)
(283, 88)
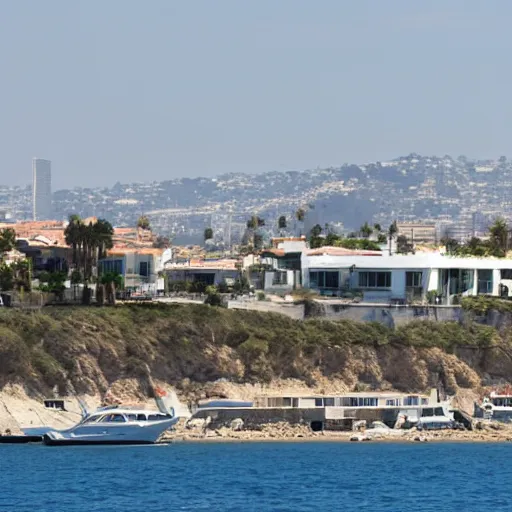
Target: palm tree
(281, 222)
(90, 244)
(72, 236)
(366, 230)
(300, 215)
(392, 231)
(498, 234)
(208, 234)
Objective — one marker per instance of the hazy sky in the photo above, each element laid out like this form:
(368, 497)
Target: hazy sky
(148, 90)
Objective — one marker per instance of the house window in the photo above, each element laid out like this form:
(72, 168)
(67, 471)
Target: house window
(115, 266)
(324, 279)
(280, 278)
(375, 279)
(485, 281)
(413, 279)
(144, 268)
(505, 273)
(411, 400)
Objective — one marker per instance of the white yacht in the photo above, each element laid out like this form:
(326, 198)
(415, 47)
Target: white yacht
(497, 406)
(114, 425)
(117, 424)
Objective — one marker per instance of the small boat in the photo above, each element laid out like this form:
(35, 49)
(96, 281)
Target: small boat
(116, 424)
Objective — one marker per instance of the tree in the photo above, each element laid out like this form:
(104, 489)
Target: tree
(377, 227)
(21, 275)
(7, 240)
(258, 241)
(300, 215)
(451, 245)
(403, 246)
(281, 222)
(72, 235)
(6, 277)
(498, 237)
(381, 238)
(208, 234)
(143, 223)
(255, 222)
(366, 230)
(213, 297)
(161, 242)
(112, 281)
(76, 279)
(53, 282)
(90, 243)
(316, 231)
(392, 231)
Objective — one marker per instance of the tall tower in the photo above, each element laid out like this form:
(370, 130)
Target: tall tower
(41, 189)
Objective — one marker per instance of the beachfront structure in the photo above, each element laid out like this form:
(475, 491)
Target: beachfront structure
(141, 268)
(406, 278)
(355, 399)
(209, 272)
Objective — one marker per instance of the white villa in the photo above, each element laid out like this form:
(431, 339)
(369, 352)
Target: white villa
(405, 278)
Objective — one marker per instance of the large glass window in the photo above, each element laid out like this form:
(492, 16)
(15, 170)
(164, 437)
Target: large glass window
(115, 266)
(413, 279)
(485, 283)
(144, 268)
(324, 279)
(375, 279)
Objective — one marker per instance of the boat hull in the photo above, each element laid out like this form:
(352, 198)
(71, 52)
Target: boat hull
(49, 441)
(109, 433)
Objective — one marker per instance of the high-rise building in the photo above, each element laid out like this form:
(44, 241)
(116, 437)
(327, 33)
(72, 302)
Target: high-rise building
(41, 189)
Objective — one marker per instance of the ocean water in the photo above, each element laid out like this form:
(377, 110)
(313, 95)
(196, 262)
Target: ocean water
(257, 477)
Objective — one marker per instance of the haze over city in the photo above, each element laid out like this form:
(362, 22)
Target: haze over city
(131, 91)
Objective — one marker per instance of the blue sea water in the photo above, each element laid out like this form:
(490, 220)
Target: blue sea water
(257, 477)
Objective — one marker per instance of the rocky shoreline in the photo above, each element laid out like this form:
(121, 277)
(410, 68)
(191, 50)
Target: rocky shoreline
(282, 431)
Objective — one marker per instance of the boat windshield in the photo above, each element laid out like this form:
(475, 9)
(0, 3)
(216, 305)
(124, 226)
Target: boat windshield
(156, 417)
(112, 418)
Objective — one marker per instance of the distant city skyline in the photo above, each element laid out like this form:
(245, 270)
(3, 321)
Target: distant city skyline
(41, 189)
(131, 92)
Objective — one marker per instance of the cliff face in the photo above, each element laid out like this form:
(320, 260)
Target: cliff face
(86, 350)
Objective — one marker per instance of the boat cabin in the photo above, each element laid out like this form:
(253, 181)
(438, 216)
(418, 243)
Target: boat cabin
(124, 417)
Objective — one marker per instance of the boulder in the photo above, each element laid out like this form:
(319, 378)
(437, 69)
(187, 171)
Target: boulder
(237, 424)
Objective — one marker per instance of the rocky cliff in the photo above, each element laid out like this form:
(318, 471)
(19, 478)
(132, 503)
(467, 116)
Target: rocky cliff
(203, 351)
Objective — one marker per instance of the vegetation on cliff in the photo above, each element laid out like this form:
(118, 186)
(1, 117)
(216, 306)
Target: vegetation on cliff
(86, 349)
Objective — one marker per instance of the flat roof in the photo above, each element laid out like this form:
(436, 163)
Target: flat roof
(416, 261)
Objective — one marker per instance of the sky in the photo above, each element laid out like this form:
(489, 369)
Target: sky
(137, 91)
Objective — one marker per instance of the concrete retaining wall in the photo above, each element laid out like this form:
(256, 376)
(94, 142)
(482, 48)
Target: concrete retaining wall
(295, 311)
(391, 316)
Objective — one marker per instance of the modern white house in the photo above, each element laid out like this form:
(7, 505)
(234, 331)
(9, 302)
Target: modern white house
(141, 268)
(406, 278)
